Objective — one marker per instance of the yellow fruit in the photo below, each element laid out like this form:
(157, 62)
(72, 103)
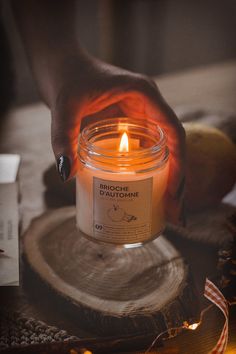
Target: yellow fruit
(211, 166)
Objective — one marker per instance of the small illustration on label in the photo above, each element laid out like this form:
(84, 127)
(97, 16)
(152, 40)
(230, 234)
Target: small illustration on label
(116, 214)
(122, 210)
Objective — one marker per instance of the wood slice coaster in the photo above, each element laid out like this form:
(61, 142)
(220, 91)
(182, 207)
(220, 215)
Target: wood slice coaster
(114, 290)
(208, 226)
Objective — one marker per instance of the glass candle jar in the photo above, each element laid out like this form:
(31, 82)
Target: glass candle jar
(121, 181)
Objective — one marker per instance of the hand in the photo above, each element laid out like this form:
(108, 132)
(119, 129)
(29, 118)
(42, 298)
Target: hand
(91, 89)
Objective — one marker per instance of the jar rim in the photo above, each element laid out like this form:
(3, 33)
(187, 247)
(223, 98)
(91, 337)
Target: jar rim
(140, 160)
(158, 137)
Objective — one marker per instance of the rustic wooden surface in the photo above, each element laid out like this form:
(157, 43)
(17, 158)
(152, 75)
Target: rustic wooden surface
(124, 291)
(208, 226)
(27, 131)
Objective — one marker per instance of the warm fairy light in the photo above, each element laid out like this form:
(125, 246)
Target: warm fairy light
(73, 351)
(124, 143)
(192, 327)
(82, 351)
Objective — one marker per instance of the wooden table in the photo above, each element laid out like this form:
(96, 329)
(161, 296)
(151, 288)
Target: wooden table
(26, 131)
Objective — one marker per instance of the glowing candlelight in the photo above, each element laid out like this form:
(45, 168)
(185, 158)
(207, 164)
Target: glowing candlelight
(121, 182)
(124, 143)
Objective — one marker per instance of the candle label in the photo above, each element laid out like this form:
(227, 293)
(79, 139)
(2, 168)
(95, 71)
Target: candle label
(122, 211)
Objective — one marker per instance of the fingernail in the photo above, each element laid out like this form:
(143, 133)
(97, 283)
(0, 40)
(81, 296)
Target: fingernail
(63, 167)
(180, 190)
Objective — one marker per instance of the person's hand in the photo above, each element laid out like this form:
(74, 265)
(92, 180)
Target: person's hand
(91, 90)
(76, 86)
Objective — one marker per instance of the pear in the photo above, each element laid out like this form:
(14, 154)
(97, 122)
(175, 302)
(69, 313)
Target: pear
(211, 166)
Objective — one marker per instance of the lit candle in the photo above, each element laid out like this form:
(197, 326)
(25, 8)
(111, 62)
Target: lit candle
(121, 181)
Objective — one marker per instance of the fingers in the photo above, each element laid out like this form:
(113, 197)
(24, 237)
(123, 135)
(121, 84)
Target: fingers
(176, 144)
(66, 122)
(64, 136)
(175, 207)
(144, 101)
(139, 105)
(147, 103)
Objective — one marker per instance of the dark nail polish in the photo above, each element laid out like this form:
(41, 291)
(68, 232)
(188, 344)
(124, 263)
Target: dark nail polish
(63, 167)
(180, 190)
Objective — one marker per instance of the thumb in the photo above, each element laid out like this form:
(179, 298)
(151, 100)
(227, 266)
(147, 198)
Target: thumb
(64, 138)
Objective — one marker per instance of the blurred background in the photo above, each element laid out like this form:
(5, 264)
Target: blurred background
(149, 36)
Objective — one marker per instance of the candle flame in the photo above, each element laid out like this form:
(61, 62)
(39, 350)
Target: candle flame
(124, 143)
